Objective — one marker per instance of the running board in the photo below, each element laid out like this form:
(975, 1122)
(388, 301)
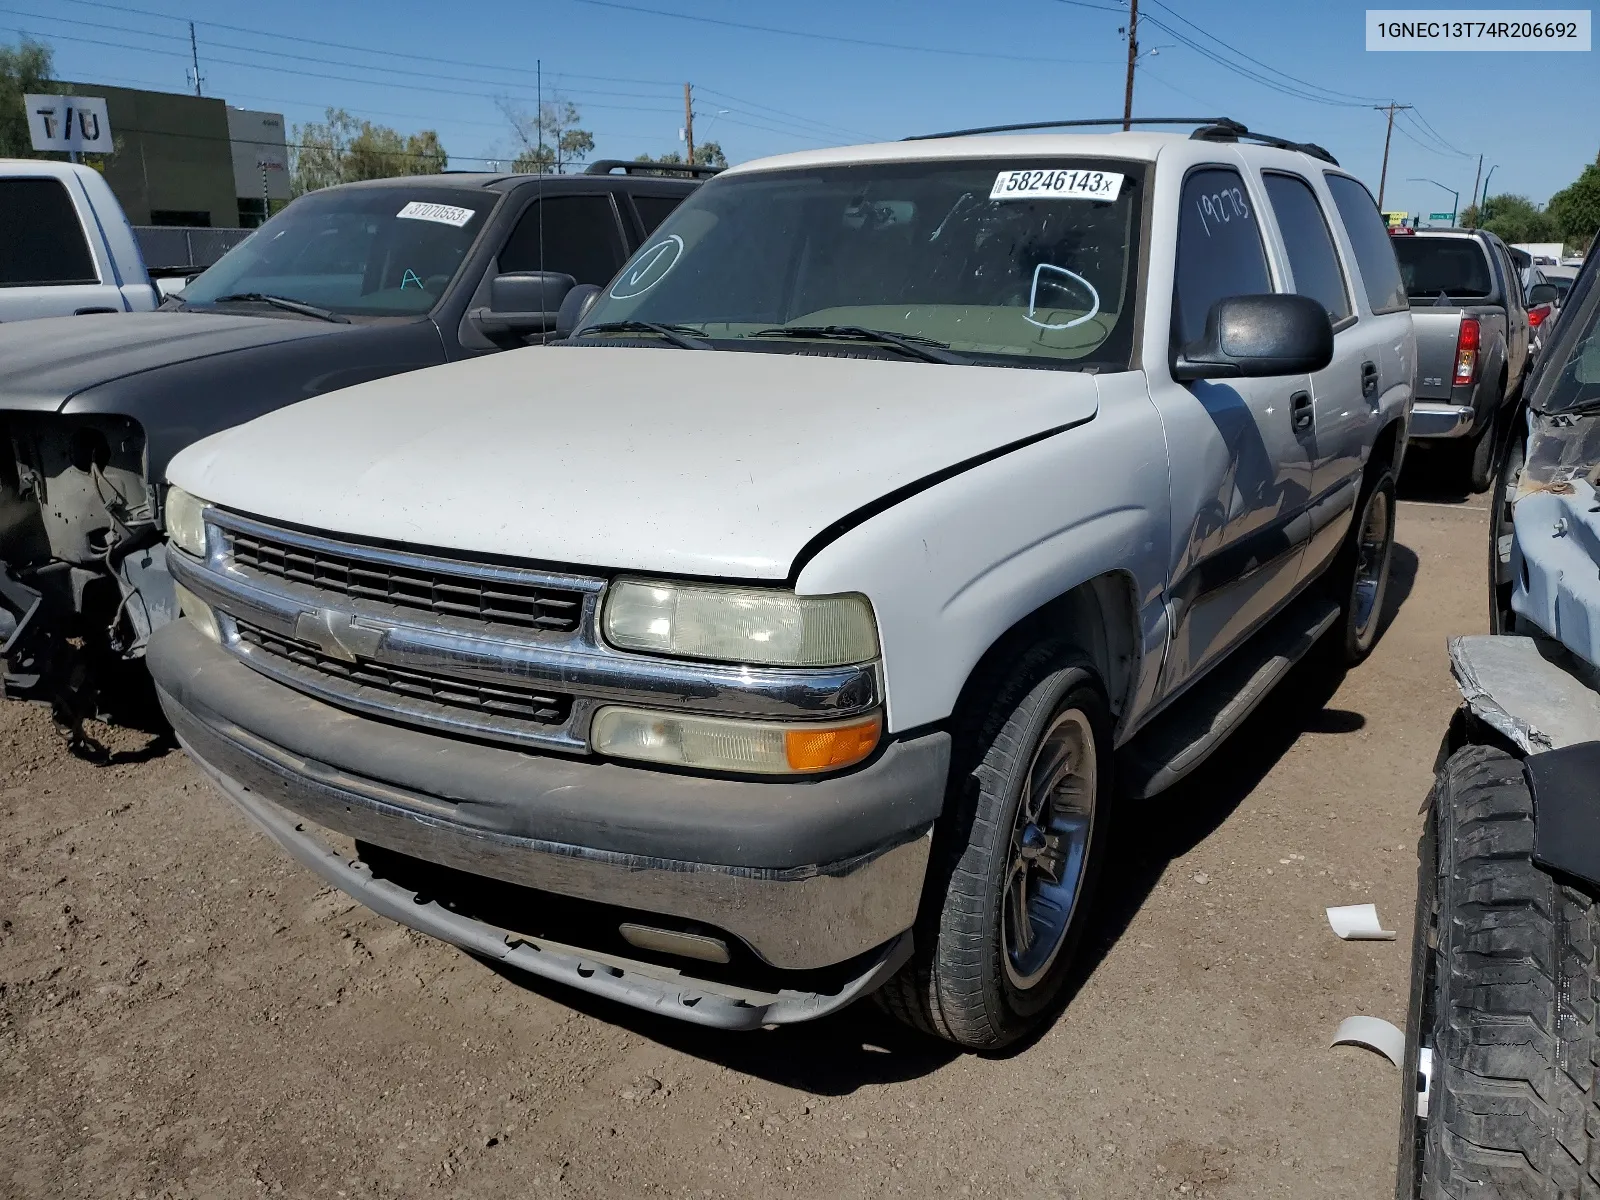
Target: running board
(1184, 737)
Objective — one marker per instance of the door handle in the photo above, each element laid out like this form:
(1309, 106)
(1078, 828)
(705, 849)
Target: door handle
(1369, 379)
(1300, 411)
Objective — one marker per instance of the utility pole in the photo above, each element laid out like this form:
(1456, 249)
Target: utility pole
(194, 57)
(688, 121)
(1133, 57)
(1391, 108)
(1474, 196)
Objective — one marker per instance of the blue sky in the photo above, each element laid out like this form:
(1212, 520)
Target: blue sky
(879, 70)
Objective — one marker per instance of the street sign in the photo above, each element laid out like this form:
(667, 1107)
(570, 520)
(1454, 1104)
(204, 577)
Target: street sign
(71, 123)
(1395, 219)
(1440, 216)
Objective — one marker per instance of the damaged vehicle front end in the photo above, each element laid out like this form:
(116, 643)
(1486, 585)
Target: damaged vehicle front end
(1498, 1073)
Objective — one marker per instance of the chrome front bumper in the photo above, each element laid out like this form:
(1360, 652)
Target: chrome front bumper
(1433, 420)
(807, 874)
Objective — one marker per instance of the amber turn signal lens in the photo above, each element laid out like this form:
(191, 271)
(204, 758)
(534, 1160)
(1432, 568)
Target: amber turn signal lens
(824, 749)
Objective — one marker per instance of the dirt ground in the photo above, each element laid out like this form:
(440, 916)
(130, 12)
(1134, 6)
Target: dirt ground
(186, 1013)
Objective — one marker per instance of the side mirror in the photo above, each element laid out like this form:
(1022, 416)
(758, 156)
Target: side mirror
(575, 308)
(1543, 293)
(523, 302)
(1250, 337)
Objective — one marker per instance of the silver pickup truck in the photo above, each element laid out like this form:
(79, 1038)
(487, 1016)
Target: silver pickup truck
(1471, 322)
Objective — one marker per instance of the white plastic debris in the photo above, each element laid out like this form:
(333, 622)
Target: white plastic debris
(1375, 1034)
(1358, 923)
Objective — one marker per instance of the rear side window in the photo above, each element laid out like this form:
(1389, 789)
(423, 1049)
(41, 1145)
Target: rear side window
(1312, 257)
(655, 209)
(43, 241)
(580, 237)
(1220, 253)
(1369, 237)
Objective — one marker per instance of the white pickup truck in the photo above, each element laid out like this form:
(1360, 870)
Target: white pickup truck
(67, 247)
(789, 632)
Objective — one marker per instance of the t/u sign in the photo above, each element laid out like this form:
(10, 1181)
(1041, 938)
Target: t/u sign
(69, 123)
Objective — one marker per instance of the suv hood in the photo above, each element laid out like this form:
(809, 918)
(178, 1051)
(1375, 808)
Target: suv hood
(719, 463)
(44, 363)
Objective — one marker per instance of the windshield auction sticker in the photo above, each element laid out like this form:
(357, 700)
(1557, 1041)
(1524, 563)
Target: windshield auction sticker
(648, 268)
(1477, 29)
(443, 214)
(1056, 185)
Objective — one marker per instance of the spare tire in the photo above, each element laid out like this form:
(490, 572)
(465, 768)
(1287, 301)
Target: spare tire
(1503, 1001)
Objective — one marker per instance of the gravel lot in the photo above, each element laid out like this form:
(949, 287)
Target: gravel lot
(185, 1013)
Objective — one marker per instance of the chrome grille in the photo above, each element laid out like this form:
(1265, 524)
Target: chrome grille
(505, 700)
(478, 595)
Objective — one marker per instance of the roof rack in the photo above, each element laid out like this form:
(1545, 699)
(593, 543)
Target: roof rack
(923, 137)
(1209, 129)
(605, 166)
(1232, 131)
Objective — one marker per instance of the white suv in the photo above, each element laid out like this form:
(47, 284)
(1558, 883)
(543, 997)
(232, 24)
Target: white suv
(788, 632)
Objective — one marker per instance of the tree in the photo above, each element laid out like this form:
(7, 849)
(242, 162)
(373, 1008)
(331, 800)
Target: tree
(342, 149)
(551, 139)
(1576, 207)
(707, 154)
(1514, 219)
(26, 67)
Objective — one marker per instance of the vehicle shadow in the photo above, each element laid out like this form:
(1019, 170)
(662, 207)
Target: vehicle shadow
(1432, 477)
(862, 1046)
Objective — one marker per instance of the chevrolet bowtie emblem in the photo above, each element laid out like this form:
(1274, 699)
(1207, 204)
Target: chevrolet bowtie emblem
(337, 635)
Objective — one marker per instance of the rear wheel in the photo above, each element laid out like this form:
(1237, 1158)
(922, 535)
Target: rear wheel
(1504, 1005)
(1360, 573)
(1477, 460)
(1018, 856)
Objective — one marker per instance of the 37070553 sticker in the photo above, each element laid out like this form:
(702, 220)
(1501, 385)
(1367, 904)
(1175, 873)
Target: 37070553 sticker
(1056, 184)
(649, 267)
(442, 214)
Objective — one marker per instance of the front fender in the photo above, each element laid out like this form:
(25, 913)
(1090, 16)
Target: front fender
(952, 568)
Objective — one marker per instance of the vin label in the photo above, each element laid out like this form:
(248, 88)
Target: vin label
(1056, 185)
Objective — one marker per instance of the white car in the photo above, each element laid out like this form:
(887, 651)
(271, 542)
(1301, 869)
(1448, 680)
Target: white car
(67, 248)
(791, 631)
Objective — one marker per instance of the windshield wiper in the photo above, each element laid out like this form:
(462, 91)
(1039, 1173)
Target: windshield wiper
(283, 302)
(680, 336)
(909, 344)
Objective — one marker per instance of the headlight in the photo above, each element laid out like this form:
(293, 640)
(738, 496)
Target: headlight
(764, 626)
(198, 611)
(184, 524)
(719, 744)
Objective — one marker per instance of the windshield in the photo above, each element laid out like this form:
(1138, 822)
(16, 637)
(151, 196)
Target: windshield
(1456, 266)
(377, 252)
(1008, 263)
(1578, 384)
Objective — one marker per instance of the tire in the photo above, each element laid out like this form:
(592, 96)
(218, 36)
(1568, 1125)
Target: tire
(1501, 583)
(1360, 571)
(1507, 1003)
(1478, 460)
(973, 979)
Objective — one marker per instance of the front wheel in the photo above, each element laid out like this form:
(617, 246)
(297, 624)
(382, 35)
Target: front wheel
(1020, 850)
(1497, 1101)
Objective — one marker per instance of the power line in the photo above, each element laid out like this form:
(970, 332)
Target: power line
(830, 37)
(321, 74)
(1232, 49)
(780, 112)
(1247, 73)
(428, 58)
(1416, 115)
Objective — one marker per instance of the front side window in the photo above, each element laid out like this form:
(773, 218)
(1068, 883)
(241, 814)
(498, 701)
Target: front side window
(576, 235)
(1009, 263)
(42, 242)
(1456, 267)
(1577, 384)
(1369, 238)
(1312, 257)
(1220, 252)
(376, 252)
